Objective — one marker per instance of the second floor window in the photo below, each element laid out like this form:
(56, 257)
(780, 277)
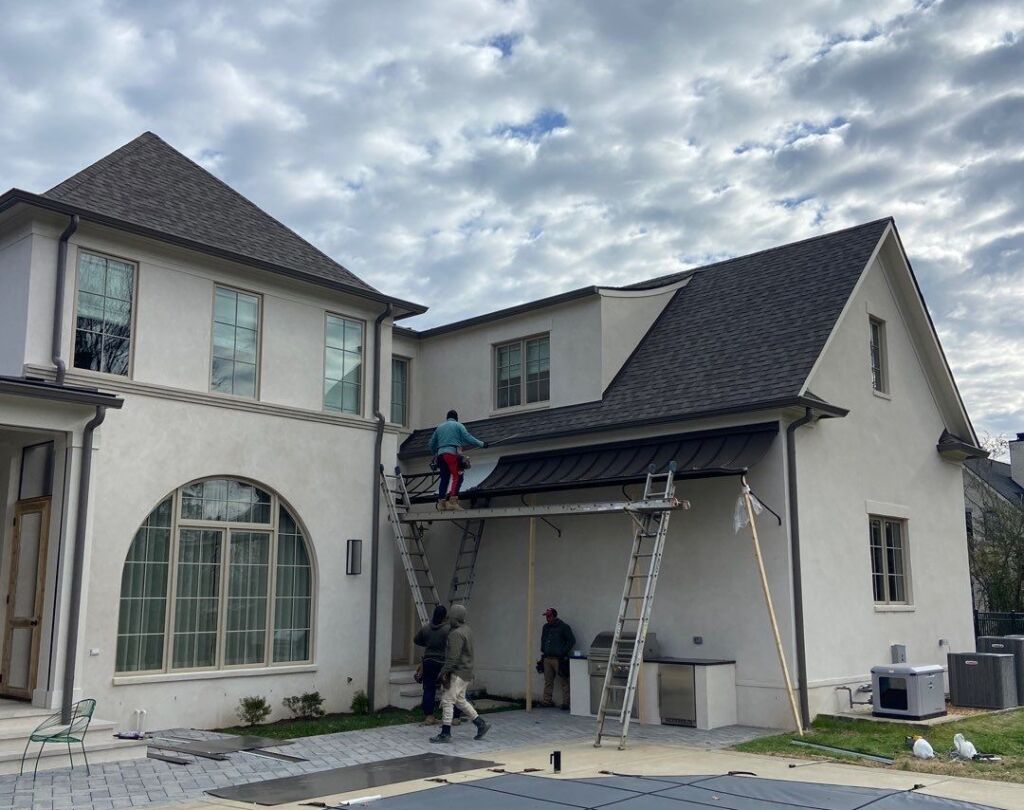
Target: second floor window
(522, 372)
(236, 324)
(879, 371)
(343, 365)
(103, 314)
(399, 390)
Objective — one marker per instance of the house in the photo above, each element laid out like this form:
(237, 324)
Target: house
(994, 512)
(195, 403)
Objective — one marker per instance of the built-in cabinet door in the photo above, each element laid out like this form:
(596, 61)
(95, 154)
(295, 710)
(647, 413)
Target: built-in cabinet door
(25, 598)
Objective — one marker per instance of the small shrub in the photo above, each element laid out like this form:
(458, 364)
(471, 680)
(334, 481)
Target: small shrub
(360, 703)
(253, 709)
(306, 706)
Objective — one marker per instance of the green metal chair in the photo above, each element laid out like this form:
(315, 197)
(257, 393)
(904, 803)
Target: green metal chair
(52, 730)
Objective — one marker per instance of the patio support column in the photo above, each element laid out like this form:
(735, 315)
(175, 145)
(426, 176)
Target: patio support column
(530, 576)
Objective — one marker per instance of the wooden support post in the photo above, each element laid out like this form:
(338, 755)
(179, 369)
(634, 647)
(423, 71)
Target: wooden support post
(531, 569)
(771, 607)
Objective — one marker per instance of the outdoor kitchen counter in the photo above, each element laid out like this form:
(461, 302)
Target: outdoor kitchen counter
(714, 689)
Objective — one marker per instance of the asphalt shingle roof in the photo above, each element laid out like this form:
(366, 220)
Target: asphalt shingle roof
(741, 333)
(997, 475)
(149, 183)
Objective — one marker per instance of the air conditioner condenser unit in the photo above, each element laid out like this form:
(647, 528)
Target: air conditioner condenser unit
(901, 690)
(982, 680)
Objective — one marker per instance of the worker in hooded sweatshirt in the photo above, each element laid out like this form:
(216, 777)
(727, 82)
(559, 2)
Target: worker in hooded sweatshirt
(456, 675)
(446, 445)
(433, 637)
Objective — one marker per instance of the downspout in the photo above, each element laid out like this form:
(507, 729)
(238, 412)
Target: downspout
(78, 562)
(371, 668)
(58, 298)
(798, 589)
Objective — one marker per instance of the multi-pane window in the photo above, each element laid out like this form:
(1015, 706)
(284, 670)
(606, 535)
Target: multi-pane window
(399, 390)
(522, 372)
(888, 560)
(236, 324)
(879, 372)
(103, 314)
(343, 365)
(197, 583)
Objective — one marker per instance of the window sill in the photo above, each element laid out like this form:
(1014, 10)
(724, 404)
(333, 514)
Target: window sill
(533, 406)
(164, 677)
(895, 608)
(882, 394)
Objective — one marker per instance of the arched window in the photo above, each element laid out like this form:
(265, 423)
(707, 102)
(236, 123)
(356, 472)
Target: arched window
(218, 576)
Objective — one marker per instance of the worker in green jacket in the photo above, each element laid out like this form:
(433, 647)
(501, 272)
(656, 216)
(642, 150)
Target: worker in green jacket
(456, 675)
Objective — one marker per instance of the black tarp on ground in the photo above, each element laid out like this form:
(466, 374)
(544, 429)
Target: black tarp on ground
(344, 780)
(523, 792)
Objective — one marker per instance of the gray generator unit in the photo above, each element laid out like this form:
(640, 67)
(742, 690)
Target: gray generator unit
(1012, 645)
(983, 680)
(901, 690)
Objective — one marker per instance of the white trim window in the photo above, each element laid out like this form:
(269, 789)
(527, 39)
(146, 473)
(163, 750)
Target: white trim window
(343, 365)
(400, 391)
(234, 368)
(879, 360)
(522, 372)
(218, 576)
(889, 577)
(103, 314)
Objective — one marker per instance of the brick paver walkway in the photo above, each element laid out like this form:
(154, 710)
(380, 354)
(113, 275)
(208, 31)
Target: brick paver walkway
(143, 782)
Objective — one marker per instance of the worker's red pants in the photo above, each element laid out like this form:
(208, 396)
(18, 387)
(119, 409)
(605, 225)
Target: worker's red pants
(448, 463)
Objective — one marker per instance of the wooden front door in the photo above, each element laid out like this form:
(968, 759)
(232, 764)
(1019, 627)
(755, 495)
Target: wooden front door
(25, 598)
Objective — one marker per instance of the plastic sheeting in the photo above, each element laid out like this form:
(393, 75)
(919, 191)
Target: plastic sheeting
(523, 792)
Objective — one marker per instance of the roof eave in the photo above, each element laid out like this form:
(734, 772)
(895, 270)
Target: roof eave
(41, 389)
(15, 195)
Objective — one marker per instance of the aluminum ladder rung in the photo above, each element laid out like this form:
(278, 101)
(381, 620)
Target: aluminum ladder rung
(460, 586)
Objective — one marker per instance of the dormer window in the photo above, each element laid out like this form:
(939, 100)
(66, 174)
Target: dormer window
(879, 362)
(522, 372)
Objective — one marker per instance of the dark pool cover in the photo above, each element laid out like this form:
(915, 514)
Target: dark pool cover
(523, 792)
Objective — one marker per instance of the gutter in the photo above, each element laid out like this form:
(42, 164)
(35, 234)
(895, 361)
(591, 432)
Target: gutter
(794, 540)
(78, 563)
(58, 298)
(371, 667)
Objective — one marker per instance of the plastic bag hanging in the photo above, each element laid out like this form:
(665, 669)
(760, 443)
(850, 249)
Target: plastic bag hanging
(739, 515)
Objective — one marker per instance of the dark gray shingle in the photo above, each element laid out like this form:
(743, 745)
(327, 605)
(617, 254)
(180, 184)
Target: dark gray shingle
(149, 183)
(743, 332)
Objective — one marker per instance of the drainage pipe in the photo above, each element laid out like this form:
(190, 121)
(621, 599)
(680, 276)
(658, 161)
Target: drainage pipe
(371, 667)
(794, 540)
(78, 563)
(58, 298)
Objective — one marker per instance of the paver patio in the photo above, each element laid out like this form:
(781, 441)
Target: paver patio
(147, 782)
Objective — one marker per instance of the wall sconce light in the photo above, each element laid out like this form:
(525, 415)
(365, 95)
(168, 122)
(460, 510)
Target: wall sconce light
(354, 557)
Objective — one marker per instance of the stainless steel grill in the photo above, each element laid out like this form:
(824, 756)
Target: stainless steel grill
(597, 665)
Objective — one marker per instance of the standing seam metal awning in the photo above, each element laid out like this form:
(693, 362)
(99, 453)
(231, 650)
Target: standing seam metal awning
(705, 454)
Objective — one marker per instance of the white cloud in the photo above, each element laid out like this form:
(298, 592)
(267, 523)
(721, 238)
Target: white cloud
(475, 153)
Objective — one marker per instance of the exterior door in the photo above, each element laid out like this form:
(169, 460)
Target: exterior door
(25, 598)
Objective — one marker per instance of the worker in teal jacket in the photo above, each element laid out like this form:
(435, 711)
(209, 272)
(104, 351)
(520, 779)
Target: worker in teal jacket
(446, 445)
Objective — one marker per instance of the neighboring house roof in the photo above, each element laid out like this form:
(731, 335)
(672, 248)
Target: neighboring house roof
(743, 334)
(997, 475)
(149, 185)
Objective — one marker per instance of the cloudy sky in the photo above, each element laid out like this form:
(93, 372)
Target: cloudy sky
(474, 154)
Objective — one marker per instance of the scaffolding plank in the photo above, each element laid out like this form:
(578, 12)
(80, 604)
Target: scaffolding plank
(491, 513)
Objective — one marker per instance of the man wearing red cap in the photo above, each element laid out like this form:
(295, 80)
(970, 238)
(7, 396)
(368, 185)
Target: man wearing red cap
(556, 643)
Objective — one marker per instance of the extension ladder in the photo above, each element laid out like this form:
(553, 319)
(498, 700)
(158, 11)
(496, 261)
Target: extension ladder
(650, 530)
(409, 539)
(464, 573)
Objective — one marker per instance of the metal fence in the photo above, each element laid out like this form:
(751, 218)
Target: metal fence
(998, 624)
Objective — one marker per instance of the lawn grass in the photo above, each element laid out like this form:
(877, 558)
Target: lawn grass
(334, 723)
(1001, 734)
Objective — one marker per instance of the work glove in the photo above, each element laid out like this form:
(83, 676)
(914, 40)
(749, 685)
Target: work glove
(483, 445)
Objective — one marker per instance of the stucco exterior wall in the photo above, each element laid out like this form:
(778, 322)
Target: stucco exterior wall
(15, 262)
(708, 585)
(625, 319)
(880, 459)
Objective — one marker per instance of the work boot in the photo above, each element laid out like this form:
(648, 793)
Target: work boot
(441, 505)
(430, 721)
(444, 737)
(453, 502)
(482, 727)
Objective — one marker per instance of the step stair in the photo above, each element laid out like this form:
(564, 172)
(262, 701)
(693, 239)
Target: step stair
(404, 692)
